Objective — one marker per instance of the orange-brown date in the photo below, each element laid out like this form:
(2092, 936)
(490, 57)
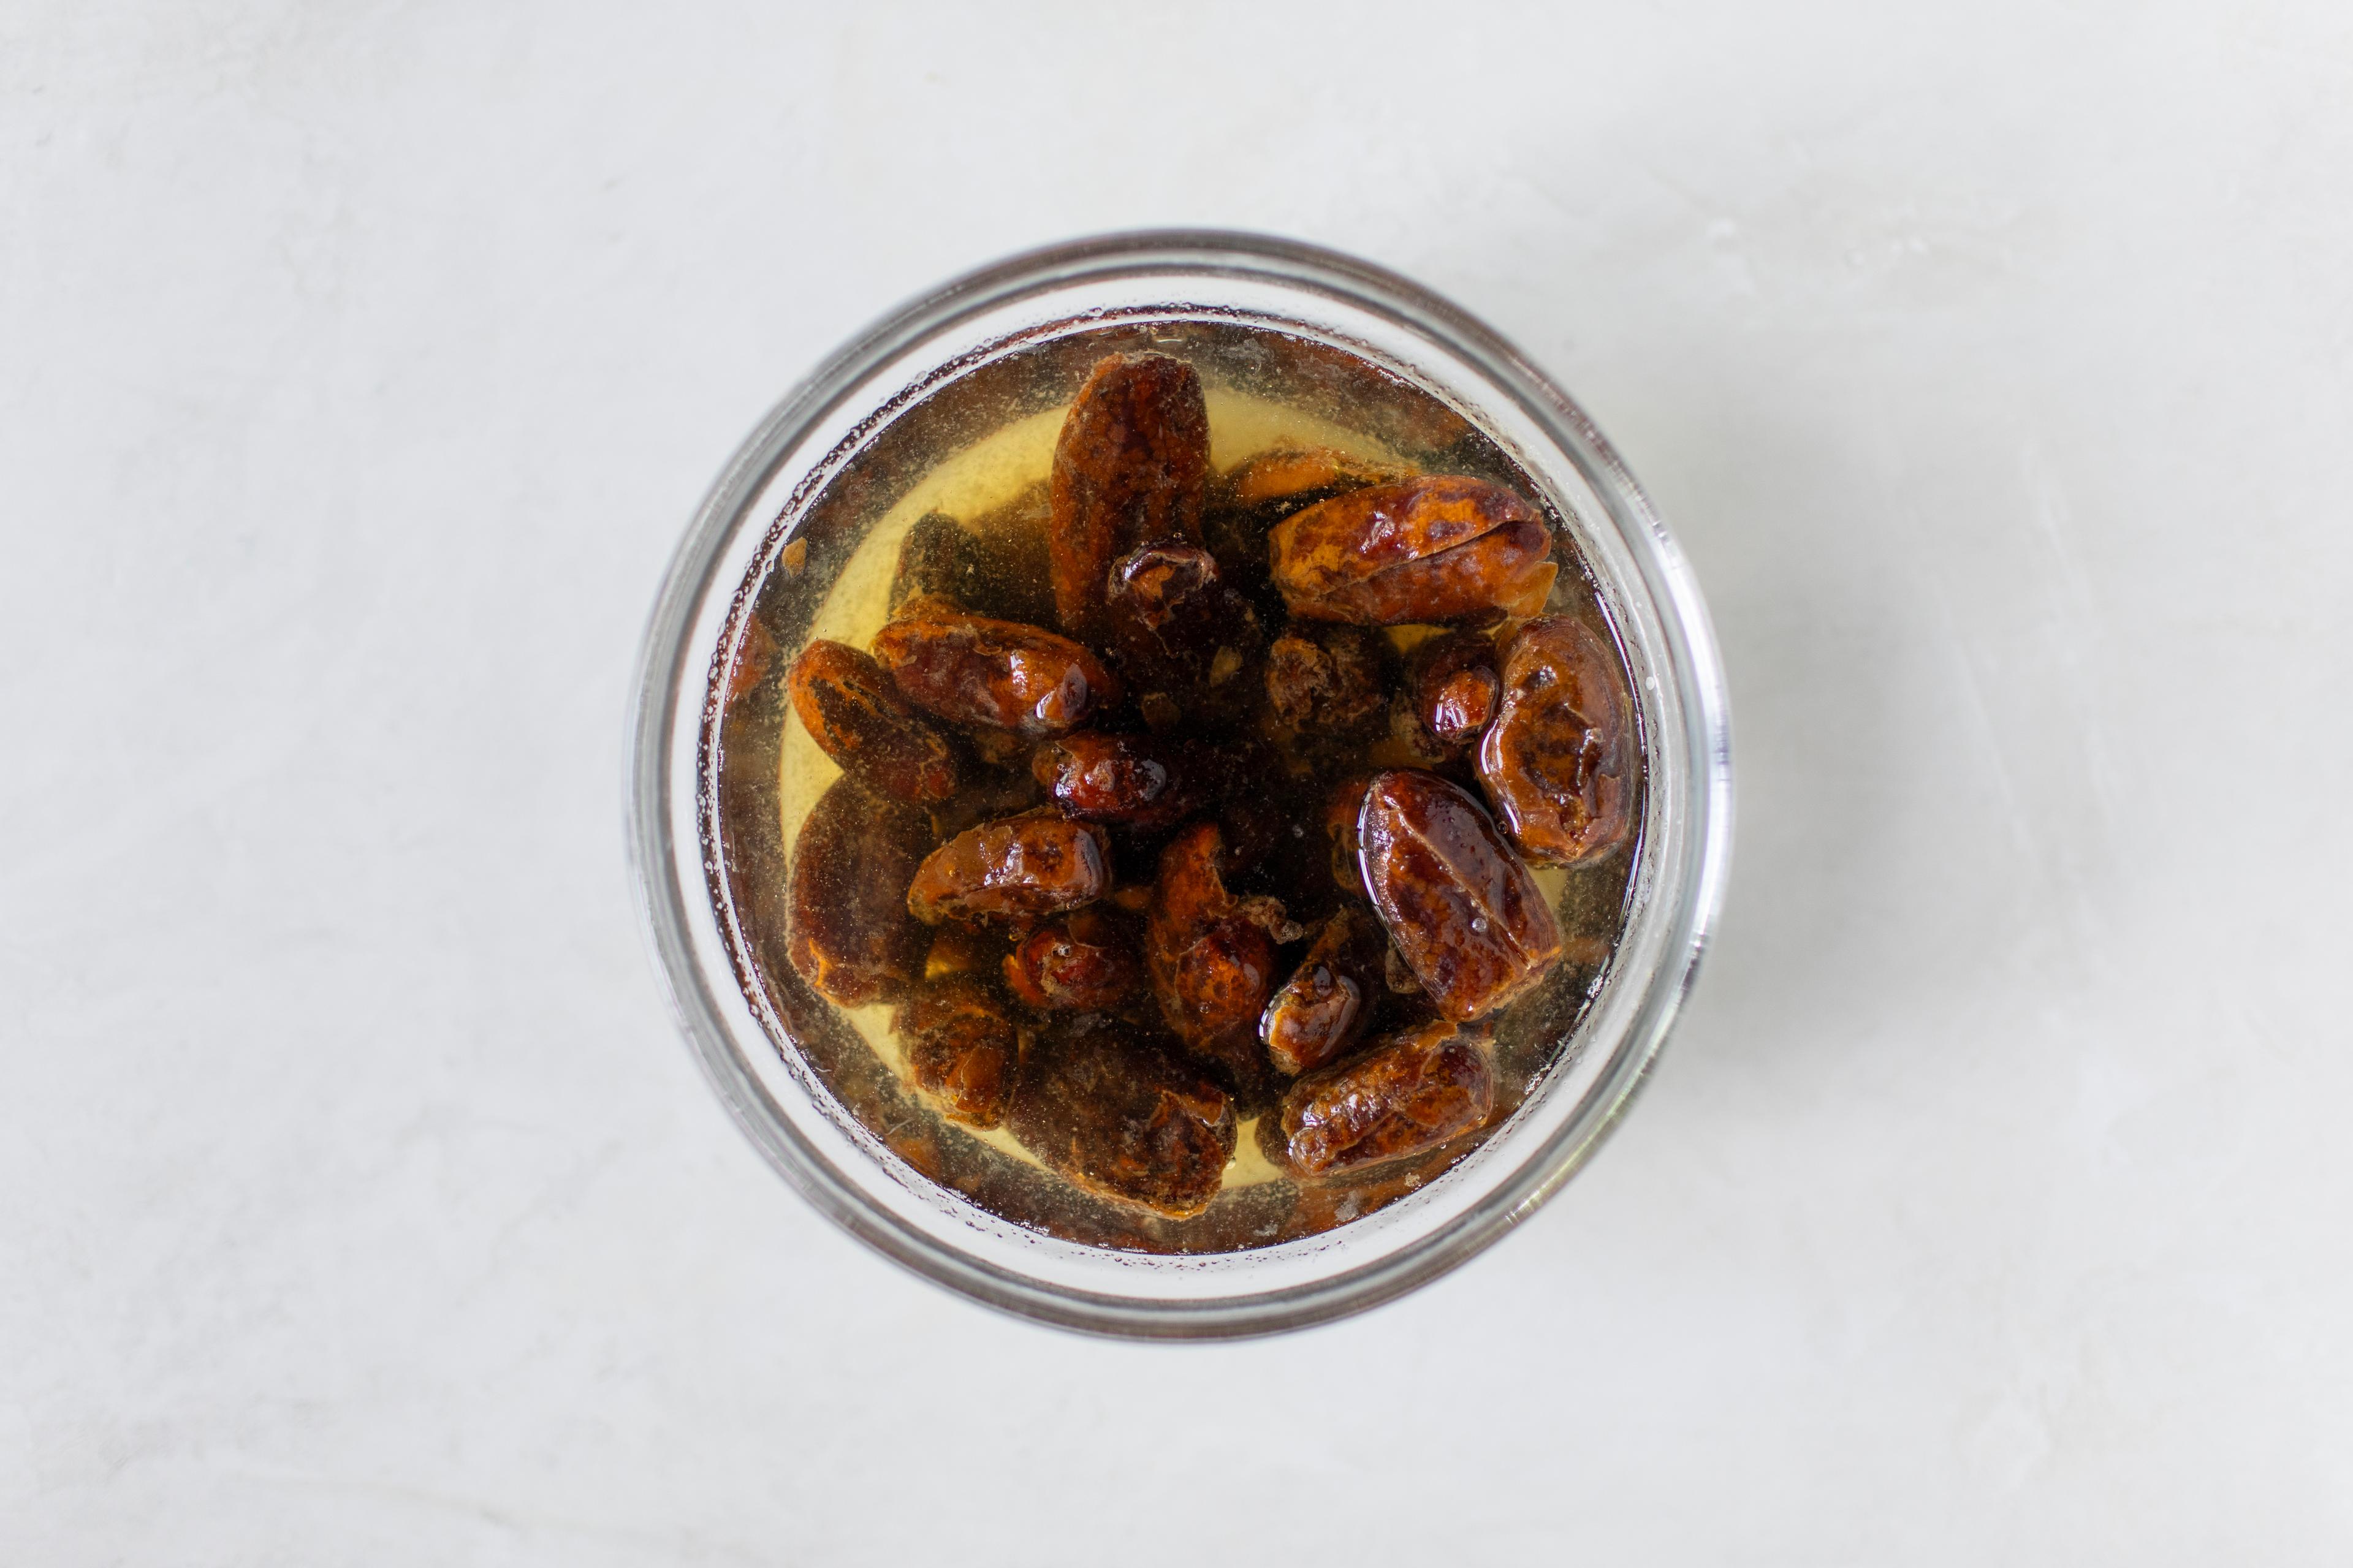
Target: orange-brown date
(1282, 473)
(1450, 681)
(1211, 956)
(1083, 962)
(1406, 1095)
(963, 1046)
(1328, 682)
(850, 934)
(1322, 1010)
(1461, 908)
(992, 675)
(1130, 780)
(1558, 761)
(855, 714)
(1441, 548)
(1129, 469)
(1124, 1115)
(1020, 871)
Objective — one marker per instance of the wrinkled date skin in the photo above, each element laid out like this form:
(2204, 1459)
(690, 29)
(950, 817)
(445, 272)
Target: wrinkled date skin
(1126, 1117)
(1441, 548)
(963, 1046)
(1322, 1010)
(1557, 760)
(1327, 682)
(1018, 870)
(1408, 1095)
(992, 675)
(1454, 686)
(848, 933)
(1212, 960)
(1461, 908)
(855, 714)
(1085, 962)
(1129, 781)
(1129, 469)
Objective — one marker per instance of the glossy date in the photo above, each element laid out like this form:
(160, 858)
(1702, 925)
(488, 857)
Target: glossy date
(1130, 780)
(1557, 762)
(1018, 870)
(1084, 962)
(1406, 1095)
(992, 675)
(1439, 548)
(1129, 469)
(1322, 1010)
(1461, 910)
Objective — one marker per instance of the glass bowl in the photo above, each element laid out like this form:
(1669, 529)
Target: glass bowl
(750, 520)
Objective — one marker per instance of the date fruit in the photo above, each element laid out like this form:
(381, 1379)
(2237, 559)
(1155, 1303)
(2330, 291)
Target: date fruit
(1328, 682)
(1125, 1116)
(1211, 957)
(1020, 871)
(1463, 911)
(1557, 762)
(963, 1047)
(1129, 781)
(1084, 962)
(1409, 1094)
(1441, 548)
(1172, 620)
(1129, 469)
(1285, 473)
(991, 674)
(855, 714)
(1322, 1010)
(848, 933)
(1452, 682)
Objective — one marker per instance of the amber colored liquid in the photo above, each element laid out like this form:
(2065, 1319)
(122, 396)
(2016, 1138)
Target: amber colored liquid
(980, 449)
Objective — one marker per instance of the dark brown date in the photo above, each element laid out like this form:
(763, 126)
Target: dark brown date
(1171, 617)
(1558, 761)
(1327, 682)
(1452, 682)
(936, 557)
(1130, 780)
(1020, 871)
(1125, 1116)
(1441, 548)
(1409, 1094)
(850, 934)
(855, 714)
(1322, 1010)
(992, 675)
(1342, 807)
(1083, 962)
(1211, 957)
(1463, 913)
(963, 1046)
(1129, 469)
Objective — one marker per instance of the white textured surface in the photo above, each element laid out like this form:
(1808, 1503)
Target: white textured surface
(359, 367)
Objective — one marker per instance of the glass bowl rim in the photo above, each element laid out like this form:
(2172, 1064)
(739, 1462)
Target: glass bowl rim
(665, 665)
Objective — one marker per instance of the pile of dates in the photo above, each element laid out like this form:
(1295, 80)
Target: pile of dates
(1220, 842)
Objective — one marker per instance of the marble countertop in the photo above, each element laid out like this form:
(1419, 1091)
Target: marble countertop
(359, 368)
